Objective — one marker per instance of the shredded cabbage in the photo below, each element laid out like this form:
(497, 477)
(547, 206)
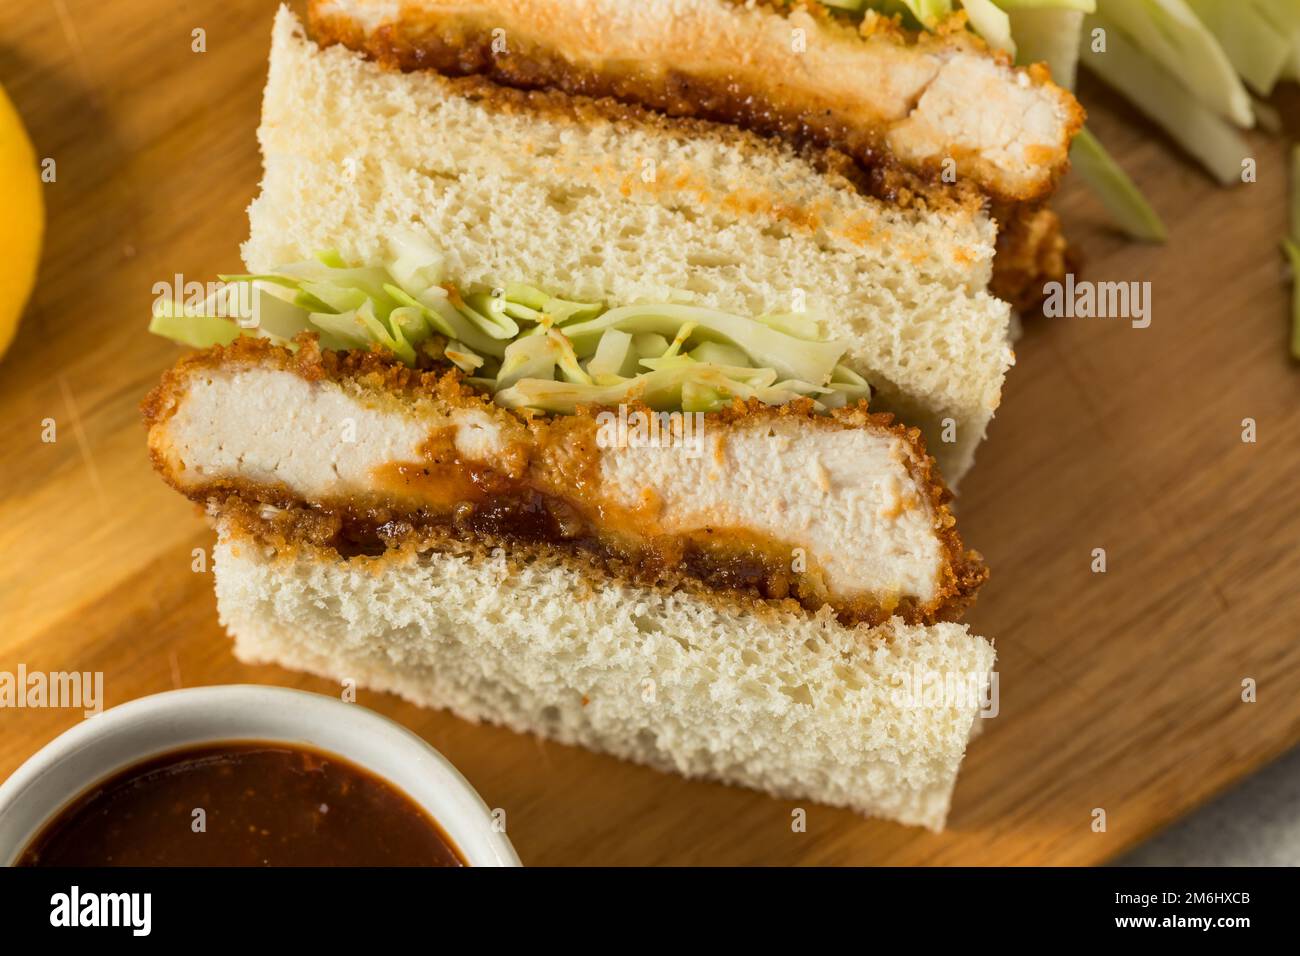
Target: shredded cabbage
(664, 388)
(196, 331)
(1256, 48)
(767, 346)
(1049, 34)
(1113, 187)
(1284, 15)
(1083, 6)
(991, 23)
(527, 347)
(1168, 33)
(1161, 96)
(928, 12)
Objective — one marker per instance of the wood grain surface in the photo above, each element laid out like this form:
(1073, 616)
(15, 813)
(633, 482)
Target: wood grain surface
(1119, 691)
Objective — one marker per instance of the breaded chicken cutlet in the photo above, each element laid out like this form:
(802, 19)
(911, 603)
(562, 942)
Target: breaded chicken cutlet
(778, 502)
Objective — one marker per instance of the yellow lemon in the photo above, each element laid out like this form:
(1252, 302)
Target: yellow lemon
(24, 219)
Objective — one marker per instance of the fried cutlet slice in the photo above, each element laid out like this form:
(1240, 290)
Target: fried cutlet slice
(782, 503)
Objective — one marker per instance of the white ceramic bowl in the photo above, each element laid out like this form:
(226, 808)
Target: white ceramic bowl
(123, 735)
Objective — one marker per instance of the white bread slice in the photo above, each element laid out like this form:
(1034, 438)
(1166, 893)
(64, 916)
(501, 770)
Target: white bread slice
(779, 67)
(793, 704)
(592, 200)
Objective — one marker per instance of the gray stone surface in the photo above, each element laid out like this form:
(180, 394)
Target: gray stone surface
(1255, 824)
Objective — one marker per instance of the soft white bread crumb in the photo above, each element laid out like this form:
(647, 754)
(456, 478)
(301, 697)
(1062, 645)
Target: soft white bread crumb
(642, 209)
(792, 704)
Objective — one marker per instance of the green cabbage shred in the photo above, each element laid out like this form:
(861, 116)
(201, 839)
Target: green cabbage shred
(528, 348)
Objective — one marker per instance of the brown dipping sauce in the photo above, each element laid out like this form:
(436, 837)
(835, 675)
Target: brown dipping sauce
(266, 804)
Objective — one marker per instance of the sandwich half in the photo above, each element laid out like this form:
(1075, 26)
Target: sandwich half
(593, 201)
(939, 104)
(568, 416)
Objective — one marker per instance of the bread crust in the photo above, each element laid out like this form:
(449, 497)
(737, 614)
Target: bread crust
(722, 560)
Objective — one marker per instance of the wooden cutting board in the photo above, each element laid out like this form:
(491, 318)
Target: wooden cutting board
(1119, 691)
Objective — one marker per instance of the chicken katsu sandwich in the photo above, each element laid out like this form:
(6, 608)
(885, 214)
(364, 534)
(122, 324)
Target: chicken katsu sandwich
(598, 423)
